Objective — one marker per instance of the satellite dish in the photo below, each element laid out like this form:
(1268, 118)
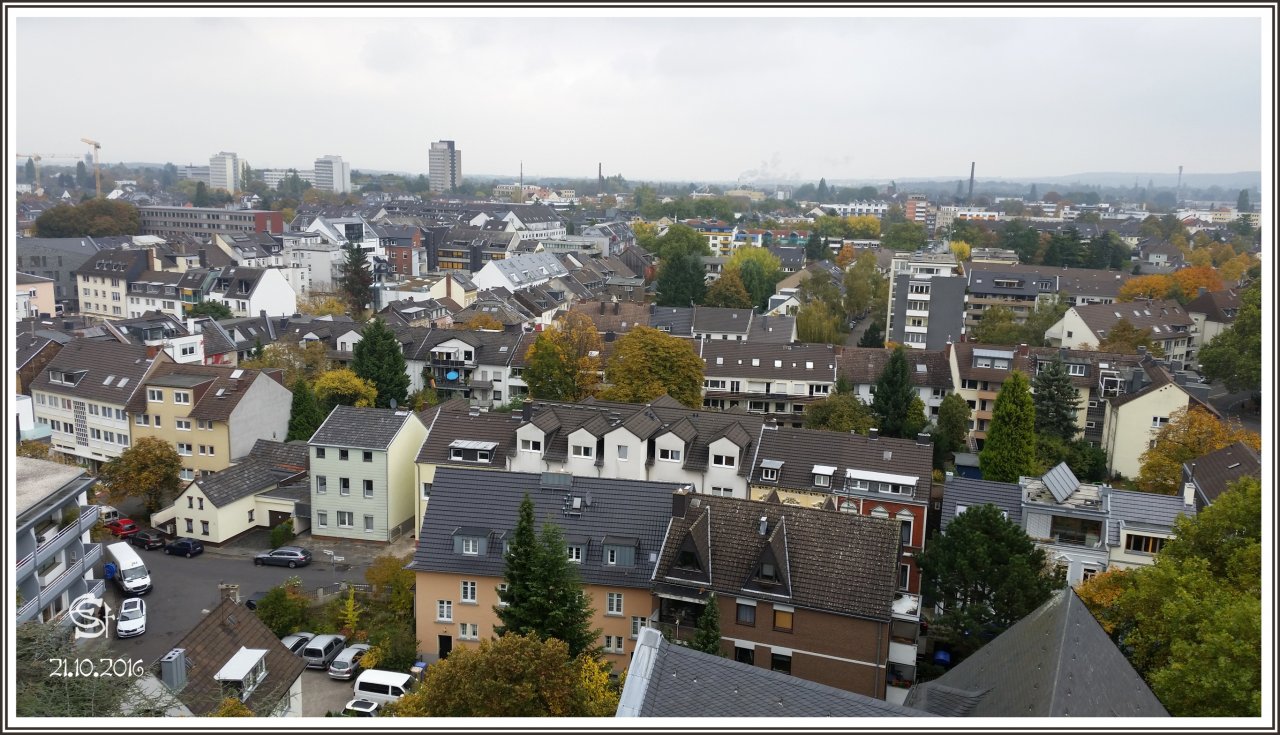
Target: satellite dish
(451, 375)
(393, 404)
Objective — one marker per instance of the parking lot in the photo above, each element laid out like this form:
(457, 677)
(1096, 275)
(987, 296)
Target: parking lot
(321, 694)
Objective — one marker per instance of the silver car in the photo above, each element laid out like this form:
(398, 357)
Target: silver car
(322, 649)
(347, 663)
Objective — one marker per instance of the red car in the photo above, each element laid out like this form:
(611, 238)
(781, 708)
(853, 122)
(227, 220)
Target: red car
(122, 528)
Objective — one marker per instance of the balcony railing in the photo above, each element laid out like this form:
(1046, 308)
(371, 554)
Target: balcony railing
(28, 610)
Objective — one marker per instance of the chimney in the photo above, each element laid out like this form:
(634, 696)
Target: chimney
(204, 258)
(1023, 350)
(191, 326)
(152, 350)
(873, 434)
(1142, 351)
(527, 411)
(680, 502)
(764, 525)
(771, 423)
(473, 411)
(173, 669)
(924, 439)
(601, 307)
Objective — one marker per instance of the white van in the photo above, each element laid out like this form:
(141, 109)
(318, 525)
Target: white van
(131, 574)
(107, 514)
(382, 686)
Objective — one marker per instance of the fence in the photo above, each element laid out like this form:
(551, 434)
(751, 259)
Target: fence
(328, 591)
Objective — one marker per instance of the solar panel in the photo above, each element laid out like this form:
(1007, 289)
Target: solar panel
(1061, 482)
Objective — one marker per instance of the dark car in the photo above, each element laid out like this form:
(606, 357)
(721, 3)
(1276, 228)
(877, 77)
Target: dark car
(122, 528)
(285, 556)
(187, 547)
(254, 599)
(148, 538)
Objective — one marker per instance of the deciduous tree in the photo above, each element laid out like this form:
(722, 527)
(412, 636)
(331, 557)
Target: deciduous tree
(1191, 432)
(307, 360)
(1125, 339)
(1010, 448)
(1056, 402)
(150, 469)
(392, 582)
(379, 359)
(94, 218)
(760, 271)
(283, 609)
(905, 236)
(232, 707)
(1191, 280)
(214, 309)
(816, 323)
(480, 321)
(863, 227)
(648, 363)
(343, 387)
(842, 412)
(681, 239)
(998, 326)
(1153, 286)
(1234, 356)
(323, 305)
(682, 279)
(953, 424)
(304, 414)
(564, 363)
(728, 291)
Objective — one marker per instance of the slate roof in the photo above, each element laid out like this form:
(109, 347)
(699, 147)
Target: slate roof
(618, 317)
(984, 282)
(1092, 362)
(666, 680)
(27, 346)
(445, 426)
(26, 279)
(675, 320)
(1075, 281)
(1139, 510)
(1212, 472)
(964, 362)
(800, 450)
(212, 643)
(1162, 317)
(100, 361)
(863, 366)
(487, 503)
(719, 320)
(730, 358)
(123, 264)
(268, 463)
(1007, 496)
(206, 382)
(360, 428)
(820, 546)
(1056, 662)
(776, 329)
(1217, 306)
(521, 269)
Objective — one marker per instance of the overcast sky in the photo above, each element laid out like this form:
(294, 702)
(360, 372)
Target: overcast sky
(654, 98)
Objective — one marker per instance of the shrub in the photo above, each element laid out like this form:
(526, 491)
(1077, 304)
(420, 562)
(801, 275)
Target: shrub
(282, 534)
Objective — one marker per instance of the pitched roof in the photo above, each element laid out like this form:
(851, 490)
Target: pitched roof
(732, 358)
(268, 464)
(1138, 510)
(1217, 306)
(112, 371)
(446, 426)
(666, 680)
(486, 504)
(1214, 471)
(853, 456)
(718, 320)
(820, 546)
(1056, 662)
(217, 389)
(618, 316)
(215, 640)
(360, 428)
(27, 346)
(1160, 316)
(1075, 281)
(863, 366)
(966, 492)
(124, 264)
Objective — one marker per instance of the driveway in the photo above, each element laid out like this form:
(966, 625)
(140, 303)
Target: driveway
(322, 694)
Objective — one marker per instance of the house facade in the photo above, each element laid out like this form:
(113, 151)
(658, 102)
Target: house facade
(56, 560)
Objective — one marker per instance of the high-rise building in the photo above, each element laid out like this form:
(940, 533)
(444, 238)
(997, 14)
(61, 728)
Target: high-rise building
(446, 166)
(926, 301)
(333, 174)
(224, 171)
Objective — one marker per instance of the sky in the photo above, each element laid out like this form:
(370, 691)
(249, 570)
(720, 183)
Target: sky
(725, 98)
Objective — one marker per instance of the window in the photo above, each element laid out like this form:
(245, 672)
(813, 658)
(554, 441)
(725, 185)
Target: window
(1075, 369)
(368, 456)
(1158, 422)
(471, 546)
(781, 663)
(502, 588)
(181, 397)
(183, 425)
(345, 519)
(455, 453)
(199, 503)
(744, 655)
(426, 490)
(444, 610)
(155, 395)
(581, 451)
(613, 603)
(530, 445)
(468, 632)
(184, 449)
(637, 623)
(1090, 424)
(622, 453)
(822, 480)
(322, 484)
(769, 475)
(613, 644)
(1093, 404)
(783, 619)
(368, 524)
(184, 473)
(904, 576)
(669, 455)
(319, 450)
(1143, 544)
(904, 525)
(342, 455)
(190, 526)
(368, 488)
(344, 485)
(204, 528)
(191, 502)
(1087, 574)
(746, 614)
(724, 460)
(575, 554)
(468, 592)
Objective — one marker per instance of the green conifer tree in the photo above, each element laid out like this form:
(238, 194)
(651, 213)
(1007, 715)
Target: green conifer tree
(305, 415)
(1010, 449)
(1056, 402)
(379, 359)
(892, 404)
(707, 637)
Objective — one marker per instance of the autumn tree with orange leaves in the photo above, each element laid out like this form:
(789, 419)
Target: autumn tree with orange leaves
(1191, 432)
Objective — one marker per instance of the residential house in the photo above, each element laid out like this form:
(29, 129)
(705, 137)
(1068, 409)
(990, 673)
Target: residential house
(363, 476)
(1209, 475)
(34, 297)
(476, 365)
(518, 272)
(720, 235)
(459, 435)
(977, 372)
(529, 221)
(720, 323)
(929, 369)
(83, 393)
(1170, 326)
(1211, 312)
(220, 507)
(1159, 253)
(1138, 403)
(232, 653)
(771, 567)
(613, 532)
(250, 291)
(669, 680)
(350, 230)
(403, 246)
(155, 291)
(157, 331)
(412, 312)
(58, 259)
(469, 249)
(32, 354)
(1056, 662)
(1078, 286)
(262, 250)
(618, 317)
(1086, 370)
(770, 378)
(104, 277)
(212, 415)
(56, 561)
(990, 288)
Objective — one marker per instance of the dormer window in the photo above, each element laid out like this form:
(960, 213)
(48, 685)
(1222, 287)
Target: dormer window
(688, 559)
(575, 553)
(767, 572)
(242, 674)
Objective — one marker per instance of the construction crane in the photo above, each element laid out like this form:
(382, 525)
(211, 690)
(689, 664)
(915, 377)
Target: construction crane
(36, 158)
(97, 170)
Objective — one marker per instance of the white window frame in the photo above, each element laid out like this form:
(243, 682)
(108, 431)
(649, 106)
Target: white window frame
(444, 611)
(821, 480)
(470, 546)
(350, 517)
(613, 603)
(183, 424)
(623, 451)
(468, 592)
(155, 395)
(184, 449)
(182, 397)
(769, 474)
(531, 445)
(575, 553)
(672, 455)
(1075, 369)
(583, 451)
(724, 460)
(368, 488)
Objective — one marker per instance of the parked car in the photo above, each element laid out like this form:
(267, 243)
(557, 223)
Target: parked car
(295, 642)
(133, 618)
(322, 649)
(285, 556)
(187, 547)
(347, 663)
(148, 538)
(254, 599)
(122, 528)
(360, 708)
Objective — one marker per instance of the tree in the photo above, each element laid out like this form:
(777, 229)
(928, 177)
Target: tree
(986, 573)
(1191, 280)
(648, 363)
(864, 288)
(1056, 402)
(213, 309)
(306, 360)
(863, 227)
(905, 236)
(1234, 356)
(707, 636)
(873, 336)
(953, 424)
(894, 391)
(392, 582)
(29, 172)
(760, 271)
(282, 533)
(231, 707)
(682, 279)
(511, 676)
(816, 249)
(680, 239)
(201, 198)
(999, 326)
(1010, 449)
(1124, 338)
(342, 387)
(379, 359)
(728, 291)
(1242, 202)
(150, 469)
(564, 362)
(94, 218)
(357, 279)
(842, 412)
(323, 305)
(544, 596)
(816, 323)
(349, 614)
(304, 414)
(1191, 432)
(283, 609)
(960, 249)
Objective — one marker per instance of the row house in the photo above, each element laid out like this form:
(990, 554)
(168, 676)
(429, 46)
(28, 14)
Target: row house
(1085, 529)
(262, 250)
(1138, 403)
(1170, 326)
(155, 291)
(723, 323)
(83, 396)
(212, 415)
(475, 365)
(521, 271)
(459, 435)
(56, 559)
(767, 379)
(363, 476)
(103, 279)
(1077, 286)
(529, 221)
(930, 372)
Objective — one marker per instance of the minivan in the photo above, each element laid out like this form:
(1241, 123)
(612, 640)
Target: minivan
(381, 686)
(107, 514)
(130, 572)
(321, 650)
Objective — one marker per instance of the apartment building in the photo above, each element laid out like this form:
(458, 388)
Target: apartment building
(333, 174)
(103, 281)
(767, 379)
(926, 300)
(1138, 402)
(929, 369)
(34, 297)
(58, 259)
(459, 435)
(224, 172)
(204, 222)
(478, 366)
(444, 166)
(155, 291)
(1169, 323)
(56, 561)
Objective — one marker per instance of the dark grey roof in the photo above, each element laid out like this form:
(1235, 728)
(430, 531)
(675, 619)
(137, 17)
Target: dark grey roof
(1100, 318)
(1007, 496)
(1214, 471)
(666, 680)
(468, 498)
(360, 428)
(999, 283)
(106, 365)
(1217, 306)
(1139, 510)
(446, 426)
(721, 320)
(676, 320)
(1056, 662)
(863, 366)
(731, 358)
(800, 450)
(29, 345)
(240, 480)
